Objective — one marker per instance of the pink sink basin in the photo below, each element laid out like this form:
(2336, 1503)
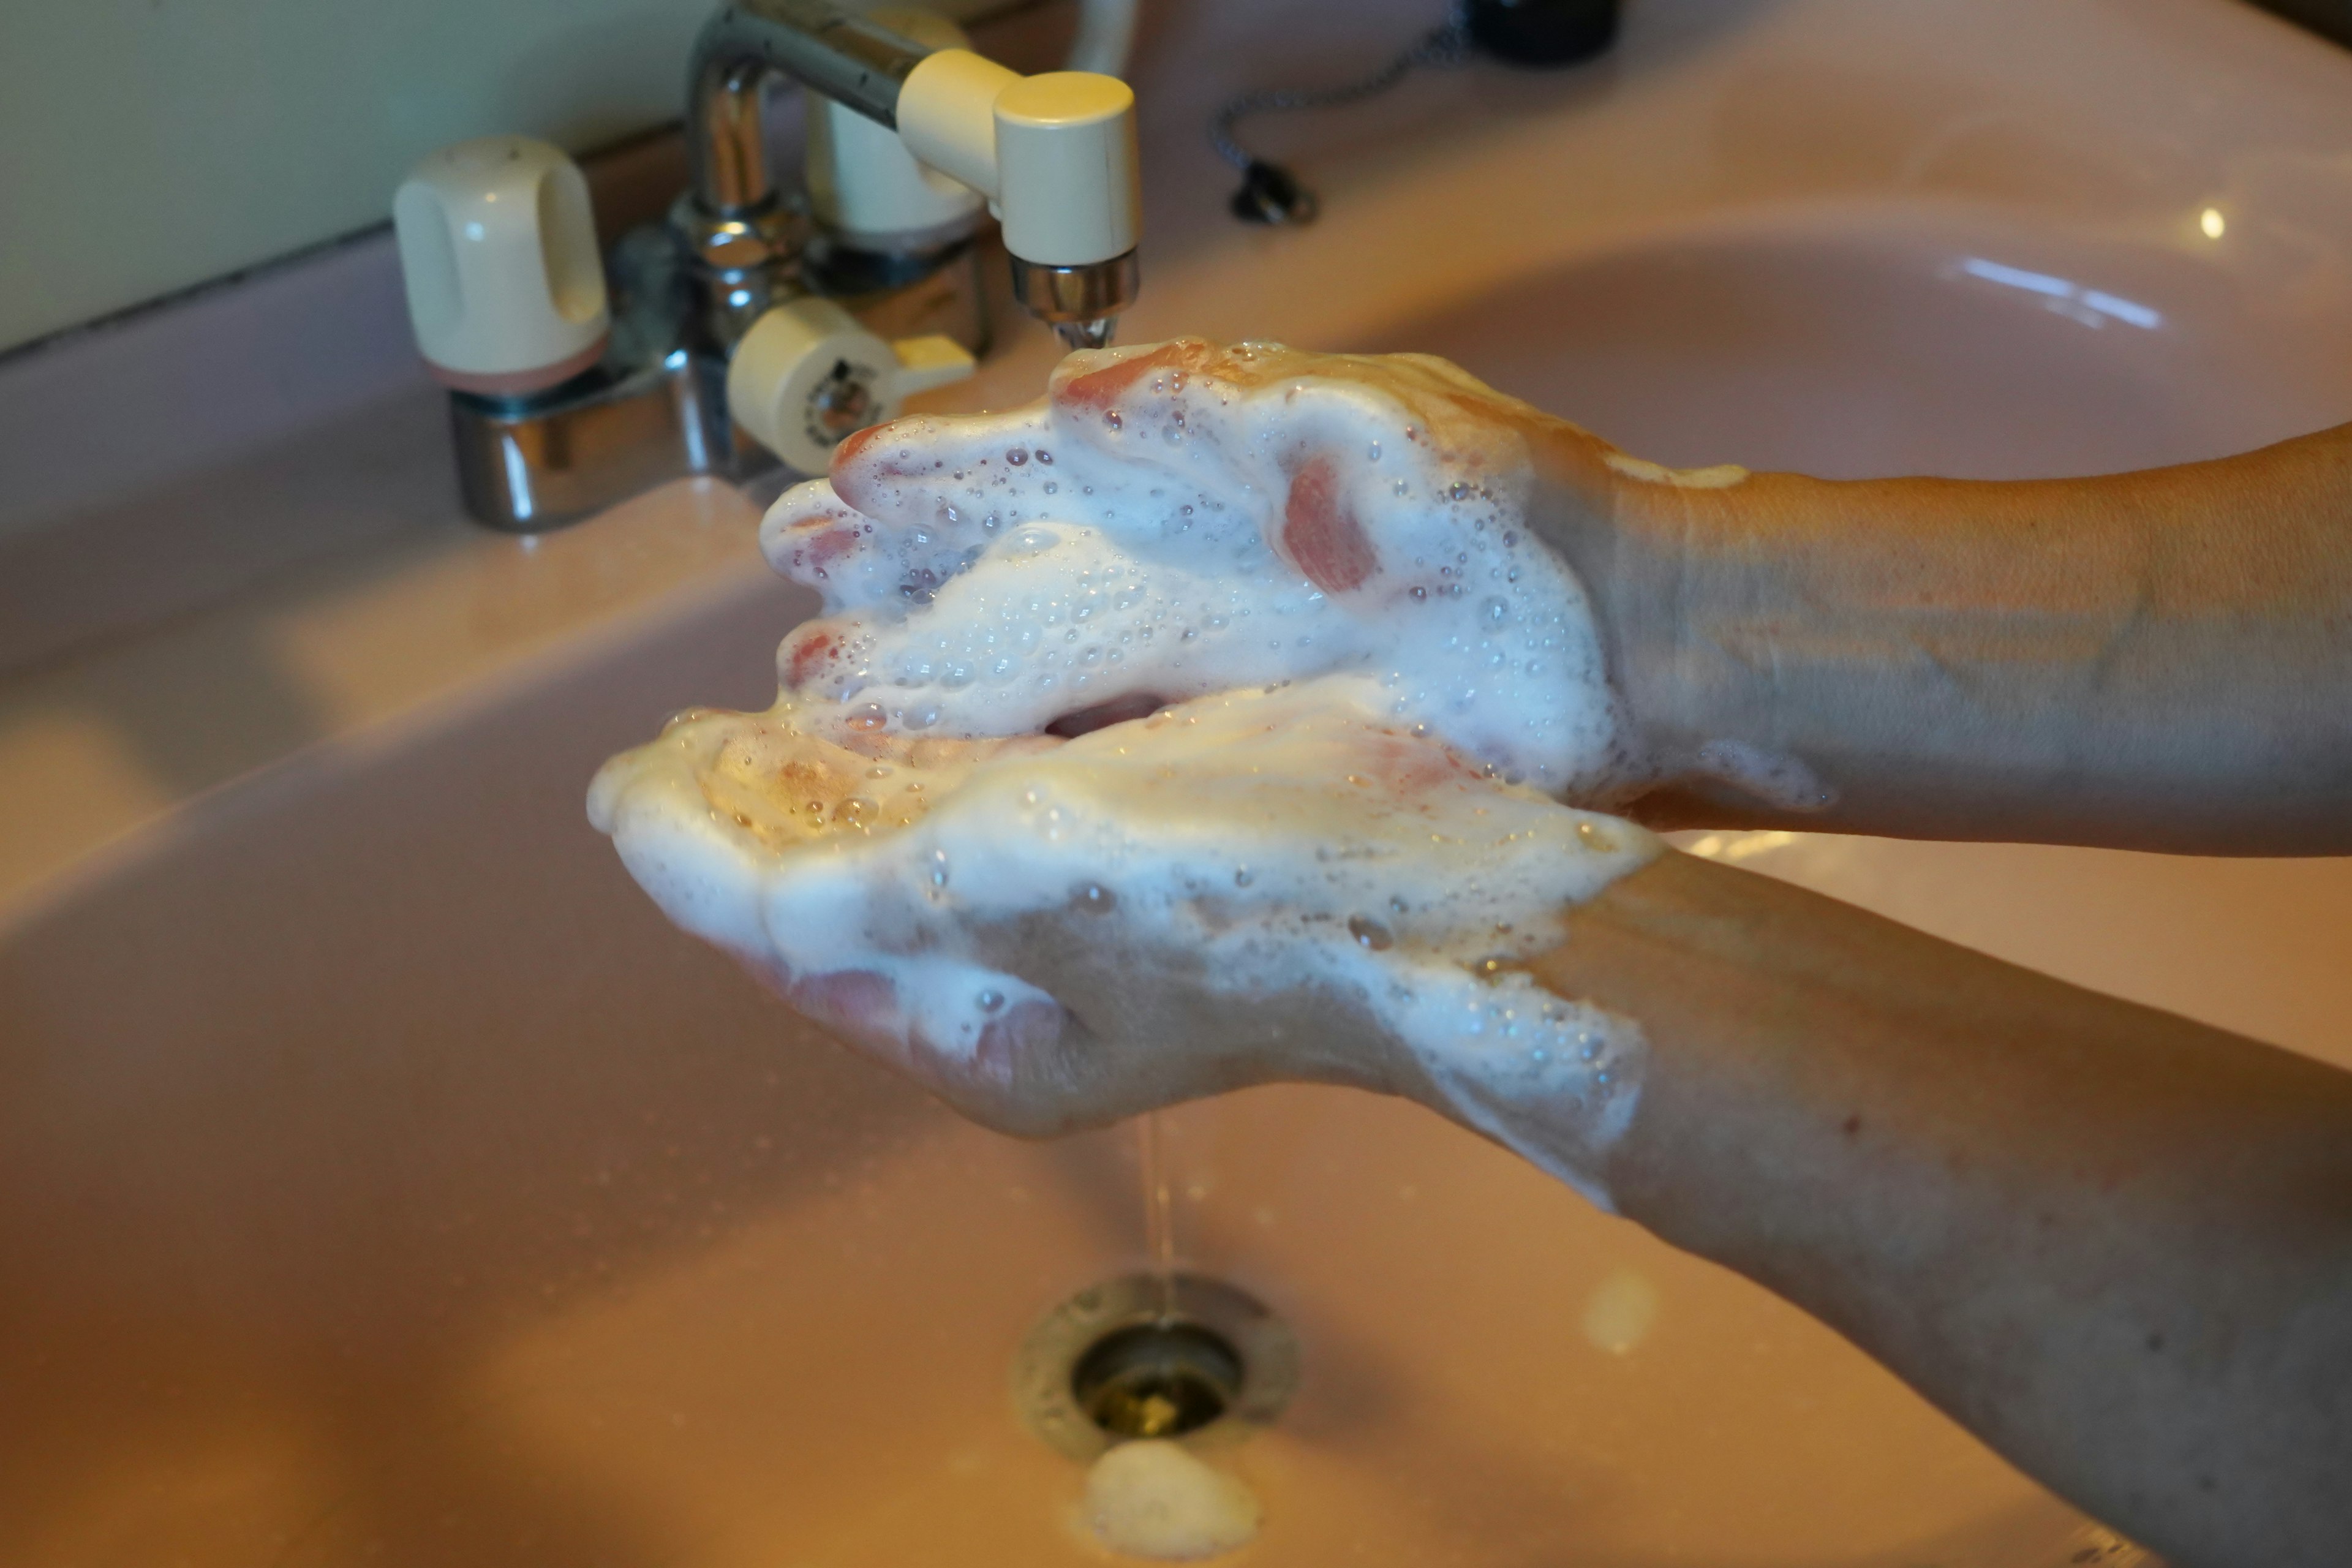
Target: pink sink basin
(381, 1181)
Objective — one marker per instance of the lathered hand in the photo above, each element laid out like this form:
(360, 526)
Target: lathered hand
(2111, 1242)
(1185, 520)
(1327, 864)
(1250, 887)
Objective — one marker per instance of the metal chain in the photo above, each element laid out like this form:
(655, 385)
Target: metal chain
(1440, 49)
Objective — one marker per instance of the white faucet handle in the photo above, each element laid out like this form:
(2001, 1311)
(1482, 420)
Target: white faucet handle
(932, 360)
(807, 374)
(497, 248)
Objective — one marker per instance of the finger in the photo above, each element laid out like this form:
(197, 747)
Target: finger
(1061, 619)
(1298, 432)
(911, 503)
(814, 537)
(1163, 406)
(1097, 382)
(1011, 1046)
(929, 473)
(859, 1005)
(907, 506)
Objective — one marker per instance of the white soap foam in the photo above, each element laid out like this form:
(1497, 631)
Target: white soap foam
(1334, 811)
(1200, 532)
(1620, 1311)
(1154, 1498)
(1293, 839)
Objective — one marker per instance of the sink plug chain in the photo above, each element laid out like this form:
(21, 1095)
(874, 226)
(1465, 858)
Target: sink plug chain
(1272, 194)
(1542, 34)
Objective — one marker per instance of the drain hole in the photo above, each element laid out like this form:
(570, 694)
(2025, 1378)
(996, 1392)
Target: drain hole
(1138, 1356)
(1156, 1380)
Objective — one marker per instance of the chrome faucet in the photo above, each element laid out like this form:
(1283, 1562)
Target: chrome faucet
(718, 357)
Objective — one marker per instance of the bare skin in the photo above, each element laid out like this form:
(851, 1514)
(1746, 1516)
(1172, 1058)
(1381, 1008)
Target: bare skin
(2157, 660)
(2115, 1245)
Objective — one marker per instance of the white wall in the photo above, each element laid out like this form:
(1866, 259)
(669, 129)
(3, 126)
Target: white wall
(149, 144)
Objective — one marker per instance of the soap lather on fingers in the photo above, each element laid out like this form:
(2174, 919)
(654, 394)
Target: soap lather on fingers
(1218, 708)
(1183, 519)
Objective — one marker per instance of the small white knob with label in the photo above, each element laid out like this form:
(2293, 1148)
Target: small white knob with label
(807, 374)
(497, 248)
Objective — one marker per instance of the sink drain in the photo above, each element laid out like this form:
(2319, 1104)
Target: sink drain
(1156, 1380)
(1109, 1364)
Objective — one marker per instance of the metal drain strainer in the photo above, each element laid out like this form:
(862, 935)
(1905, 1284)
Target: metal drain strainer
(1109, 1363)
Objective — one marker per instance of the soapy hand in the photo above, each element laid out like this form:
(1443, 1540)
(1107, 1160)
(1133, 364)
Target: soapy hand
(1248, 888)
(1326, 862)
(1181, 520)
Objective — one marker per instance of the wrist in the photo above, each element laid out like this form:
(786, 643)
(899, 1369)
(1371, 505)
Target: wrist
(1668, 562)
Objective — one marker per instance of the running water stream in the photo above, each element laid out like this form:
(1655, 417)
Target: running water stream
(1159, 1217)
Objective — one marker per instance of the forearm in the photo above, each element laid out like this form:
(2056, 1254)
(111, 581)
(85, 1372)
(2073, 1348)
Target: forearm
(2114, 1244)
(2155, 661)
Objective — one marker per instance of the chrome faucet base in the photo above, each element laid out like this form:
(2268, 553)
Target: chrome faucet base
(528, 465)
(654, 410)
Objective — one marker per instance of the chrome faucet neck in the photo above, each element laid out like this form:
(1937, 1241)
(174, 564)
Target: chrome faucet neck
(749, 43)
(734, 221)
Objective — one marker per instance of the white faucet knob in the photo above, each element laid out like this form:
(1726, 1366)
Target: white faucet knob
(807, 374)
(497, 247)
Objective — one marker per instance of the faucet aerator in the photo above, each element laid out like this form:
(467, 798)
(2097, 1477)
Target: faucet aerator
(1094, 334)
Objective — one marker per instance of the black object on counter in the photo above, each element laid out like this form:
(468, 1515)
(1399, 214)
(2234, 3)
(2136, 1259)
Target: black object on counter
(1541, 32)
(1538, 32)
(1272, 194)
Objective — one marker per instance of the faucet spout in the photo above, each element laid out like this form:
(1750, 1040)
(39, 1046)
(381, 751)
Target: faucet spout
(1055, 153)
(1082, 304)
(1094, 334)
